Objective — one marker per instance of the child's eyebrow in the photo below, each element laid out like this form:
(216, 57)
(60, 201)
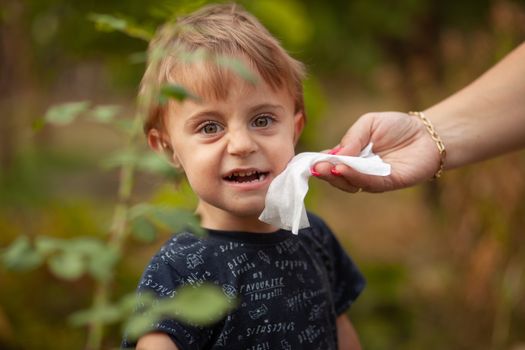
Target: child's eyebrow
(205, 113)
(265, 106)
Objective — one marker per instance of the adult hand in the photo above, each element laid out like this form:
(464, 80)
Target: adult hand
(400, 139)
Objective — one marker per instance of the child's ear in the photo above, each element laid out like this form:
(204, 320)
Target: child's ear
(160, 143)
(298, 126)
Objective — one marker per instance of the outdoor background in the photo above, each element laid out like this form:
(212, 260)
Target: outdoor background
(445, 261)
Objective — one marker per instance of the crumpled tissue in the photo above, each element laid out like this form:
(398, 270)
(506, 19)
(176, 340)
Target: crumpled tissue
(284, 204)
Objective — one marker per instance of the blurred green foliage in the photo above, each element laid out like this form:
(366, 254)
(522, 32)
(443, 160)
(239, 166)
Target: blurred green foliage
(56, 197)
(71, 258)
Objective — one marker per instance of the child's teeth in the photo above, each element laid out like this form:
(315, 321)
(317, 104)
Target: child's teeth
(249, 173)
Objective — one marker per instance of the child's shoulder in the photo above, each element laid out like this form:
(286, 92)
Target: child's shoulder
(185, 251)
(185, 259)
(319, 234)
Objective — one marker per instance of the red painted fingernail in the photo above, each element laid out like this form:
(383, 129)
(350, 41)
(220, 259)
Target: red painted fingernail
(335, 150)
(313, 172)
(335, 172)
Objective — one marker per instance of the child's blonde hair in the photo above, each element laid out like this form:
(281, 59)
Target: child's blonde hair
(216, 32)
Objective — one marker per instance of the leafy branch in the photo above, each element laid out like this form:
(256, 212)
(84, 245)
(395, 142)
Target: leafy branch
(70, 259)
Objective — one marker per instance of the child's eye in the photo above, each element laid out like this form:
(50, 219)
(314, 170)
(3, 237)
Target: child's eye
(210, 127)
(262, 121)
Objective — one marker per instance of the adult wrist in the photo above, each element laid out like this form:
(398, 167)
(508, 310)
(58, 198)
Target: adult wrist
(437, 140)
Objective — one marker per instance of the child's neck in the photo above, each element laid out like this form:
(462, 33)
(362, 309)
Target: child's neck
(218, 219)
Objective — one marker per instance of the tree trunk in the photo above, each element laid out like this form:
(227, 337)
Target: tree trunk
(14, 77)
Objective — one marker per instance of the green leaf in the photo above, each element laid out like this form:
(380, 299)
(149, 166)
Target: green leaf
(139, 32)
(85, 246)
(173, 219)
(201, 305)
(194, 225)
(67, 265)
(153, 163)
(65, 113)
(95, 256)
(175, 91)
(101, 265)
(130, 303)
(181, 196)
(273, 13)
(17, 249)
(237, 66)
(168, 218)
(47, 245)
(139, 324)
(143, 230)
(105, 114)
(21, 256)
(107, 22)
(110, 23)
(142, 209)
(103, 315)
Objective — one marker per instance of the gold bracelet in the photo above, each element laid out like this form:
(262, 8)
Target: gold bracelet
(439, 143)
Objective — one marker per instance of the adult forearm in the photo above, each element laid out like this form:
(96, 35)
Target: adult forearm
(486, 118)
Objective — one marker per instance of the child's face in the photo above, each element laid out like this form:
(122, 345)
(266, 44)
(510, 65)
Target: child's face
(232, 149)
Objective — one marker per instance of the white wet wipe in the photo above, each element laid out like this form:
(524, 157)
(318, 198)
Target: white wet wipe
(284, 205)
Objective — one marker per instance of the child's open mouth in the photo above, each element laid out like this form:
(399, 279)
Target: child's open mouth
(249, 176)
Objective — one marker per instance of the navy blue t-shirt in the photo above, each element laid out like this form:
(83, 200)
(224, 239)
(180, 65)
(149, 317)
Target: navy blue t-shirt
(290, 288)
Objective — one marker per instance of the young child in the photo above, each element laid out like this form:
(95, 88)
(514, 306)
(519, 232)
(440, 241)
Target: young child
(231, 141)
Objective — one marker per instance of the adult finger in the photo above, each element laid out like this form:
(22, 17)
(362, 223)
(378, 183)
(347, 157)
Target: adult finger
(354, 178)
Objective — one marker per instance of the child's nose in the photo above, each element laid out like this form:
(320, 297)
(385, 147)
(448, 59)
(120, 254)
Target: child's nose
(241, 143)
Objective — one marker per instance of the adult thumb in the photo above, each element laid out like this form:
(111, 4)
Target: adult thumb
(357, 137)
